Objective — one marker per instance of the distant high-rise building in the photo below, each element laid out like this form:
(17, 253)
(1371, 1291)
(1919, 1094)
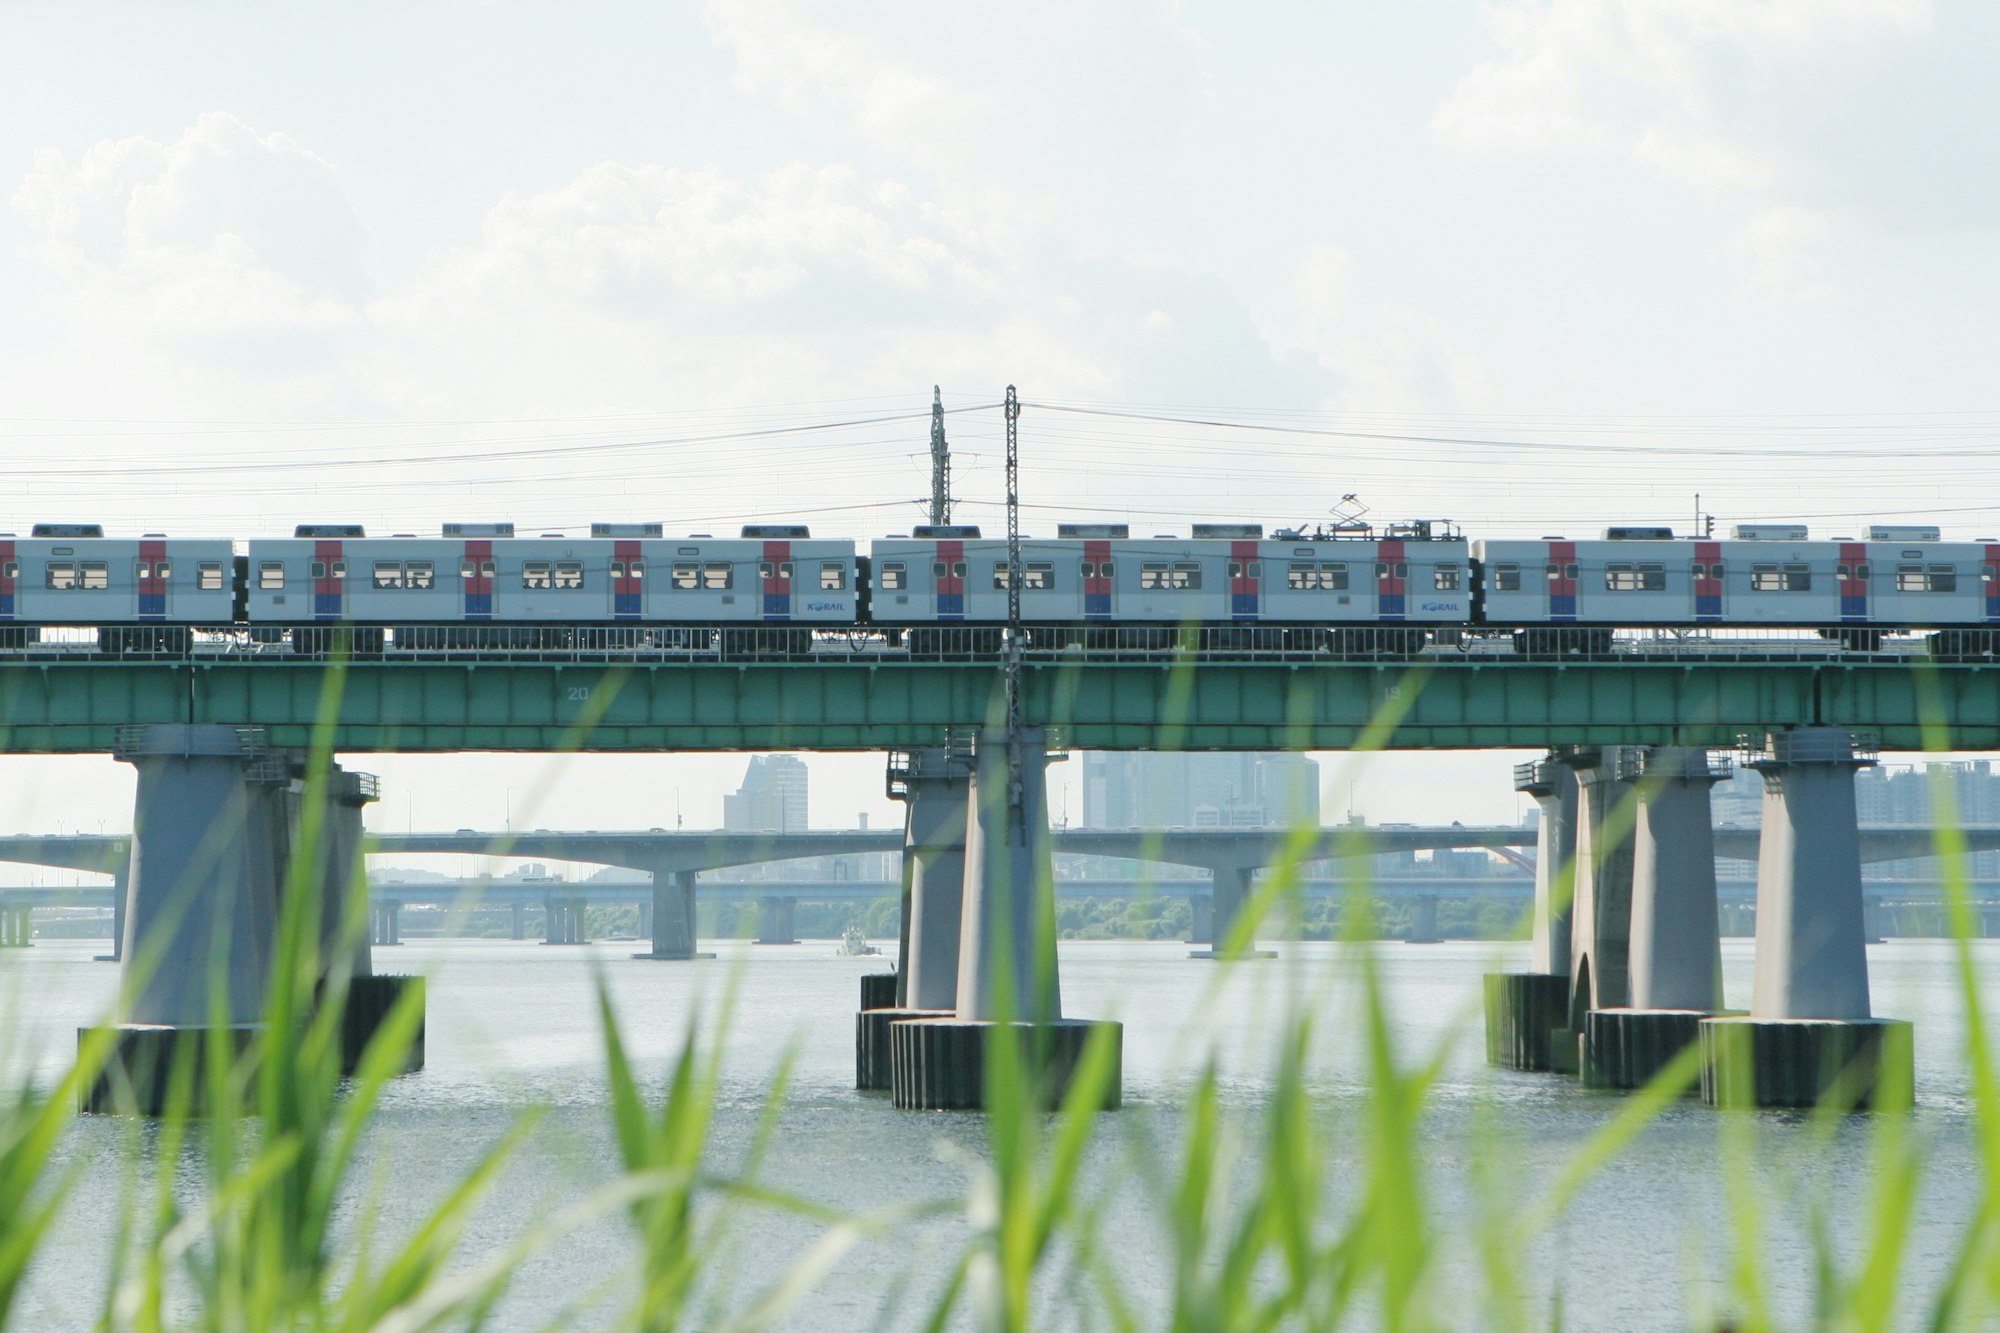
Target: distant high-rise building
(1202, 789)
(772, 798)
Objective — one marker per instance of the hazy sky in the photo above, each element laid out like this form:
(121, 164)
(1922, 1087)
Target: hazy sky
(1547, 264)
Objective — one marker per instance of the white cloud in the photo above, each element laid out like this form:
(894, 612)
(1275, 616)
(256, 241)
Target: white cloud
(223, 231)
(1648, 77)
(1775, 247)
(712, 239)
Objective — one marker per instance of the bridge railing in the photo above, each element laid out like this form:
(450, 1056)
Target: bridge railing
(956, 644)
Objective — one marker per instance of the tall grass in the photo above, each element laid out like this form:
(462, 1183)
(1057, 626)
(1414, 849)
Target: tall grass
(245, 1207)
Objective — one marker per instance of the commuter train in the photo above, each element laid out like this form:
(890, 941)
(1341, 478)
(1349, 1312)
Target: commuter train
(771, 588)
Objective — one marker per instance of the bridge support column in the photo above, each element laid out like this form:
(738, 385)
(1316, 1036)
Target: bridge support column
(1225, 909)
(1810, 1035)
(646, 919)
(386, 924)
(121, 879)
(1524, 1009)
(1876, 920)
(520, 921)
(1675, 934)
(1201, 907)
(17, 926)
(1424, 921)
(777, 921)
(221, 835)
(932, 783)
(673, 917)
(1007, 976)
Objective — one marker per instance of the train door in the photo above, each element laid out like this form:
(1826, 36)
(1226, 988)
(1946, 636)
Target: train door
(329, 580)
(948, 572)
(1989, 579)
(152, 573)
(1392, 574)
(628, 575)
(1852, 574)
(1097, 580)
(1245, 574)
(774, 572)
(1707, 582)
(10, 570)
(1562, 578)
(476, 570)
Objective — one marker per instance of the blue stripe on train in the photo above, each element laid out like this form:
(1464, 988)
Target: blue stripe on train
(1992, 607)
(1708, 606)
(1562, 606)
(777, 606)
(479, 606)
(625, 605)
(326, 605)
(152, 606)
(1097, 605)
(6, 605)
(1389, 606)
(1243, 605)
(951, 606)
(1853, 608)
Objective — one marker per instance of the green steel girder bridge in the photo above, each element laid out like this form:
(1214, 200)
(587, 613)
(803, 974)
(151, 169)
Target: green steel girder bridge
(75, 703)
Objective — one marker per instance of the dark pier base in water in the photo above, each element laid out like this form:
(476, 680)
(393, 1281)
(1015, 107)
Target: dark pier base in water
(1625, 1048)
(1522, 1010)
(939, 1064)
(1805, 1061)
(138, 1071)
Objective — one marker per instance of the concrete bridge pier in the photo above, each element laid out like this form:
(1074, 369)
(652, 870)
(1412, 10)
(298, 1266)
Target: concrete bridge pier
(673, 917)
(17, 926)
(204, 902)
(385, 924)
(1675, 936)
(563, 914)
(121, 879)
(1524, 1009)
(1007, 977)
(1231, 891)
(1202, 909)
(777, 920)
(1424, 921)
(1810, 1035)
(520, 921)
(933, 785)
(646, 919)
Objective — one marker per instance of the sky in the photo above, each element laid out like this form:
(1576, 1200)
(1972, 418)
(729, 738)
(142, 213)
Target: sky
(1531, 265)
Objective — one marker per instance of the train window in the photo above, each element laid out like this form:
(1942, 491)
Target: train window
(1333, 576)
(1187, 575)
(1926, 578)
(1780, 578)
(832, 575)
(1299, 576)
(208, 576)
(162, 569)
(1152, 575)
(1038, 574)
(1987, 573)
(94, 575)
(1506, 578)
(12, 569)
(1709, 571)
(338, 569)
(1100, 569)
(537, 574)
(388, 574)
(271, 575)
(717, 575)
(1104, 569)
(685, 575)
(318, 569)
(468, 569)
(1635, 578)
(635, 569)
(890, 577)
(1445, 578)
(419, 574)
(958, 569)
(62, 575)
(785, 570)
(569, 574)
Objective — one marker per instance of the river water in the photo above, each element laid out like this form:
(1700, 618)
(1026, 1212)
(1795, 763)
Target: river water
(513, 1025)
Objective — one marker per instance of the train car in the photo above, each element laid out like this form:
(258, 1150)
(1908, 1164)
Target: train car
(144, 594)
(484, 575)
(1095, 583)
(1559, 594)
